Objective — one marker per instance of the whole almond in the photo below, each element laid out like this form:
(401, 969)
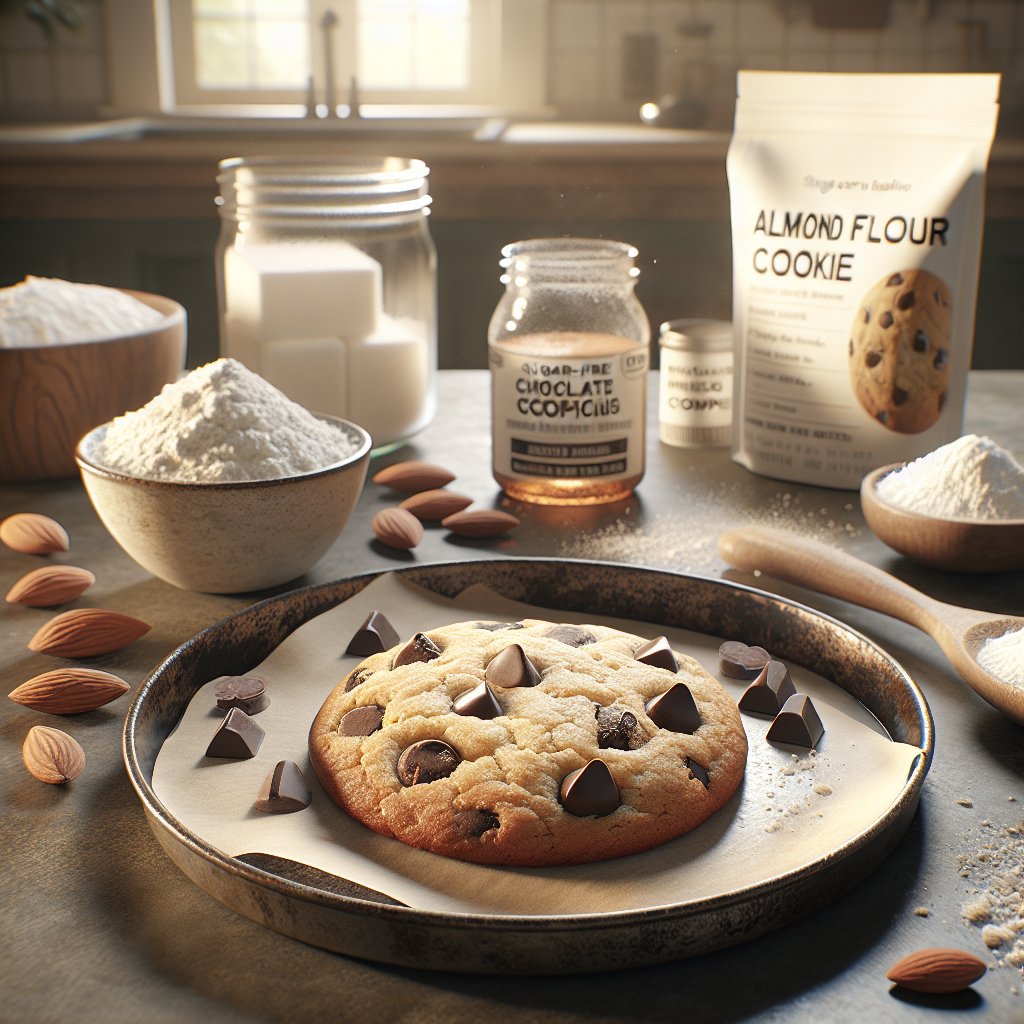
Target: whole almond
(398, 528)
(84, 632)
(51, 755)
(33, 534)
(414, 476)
(432, 506)
(937, 970)
(69, 691)
(480, 523)
(50, 585)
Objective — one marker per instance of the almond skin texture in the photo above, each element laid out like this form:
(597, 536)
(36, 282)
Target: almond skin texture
(50, 585)
(398, 528)
(937, 970)
(432, 506)
(413, 477)
(69, 691)
(480, 523)
(84, 632)
(33, 534)
(51, 755)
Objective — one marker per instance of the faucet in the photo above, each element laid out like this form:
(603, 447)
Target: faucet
(327, 23)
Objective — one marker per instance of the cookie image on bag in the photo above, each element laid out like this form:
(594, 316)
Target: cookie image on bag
(900, 347)
(529, 744)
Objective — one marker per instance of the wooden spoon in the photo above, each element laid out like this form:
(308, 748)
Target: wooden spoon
(960, 632)
(958, 545)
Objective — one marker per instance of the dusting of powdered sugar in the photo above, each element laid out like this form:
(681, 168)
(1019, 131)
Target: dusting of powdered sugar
(221, 423)
(970, 478)
(1003, 656)
(48, 311)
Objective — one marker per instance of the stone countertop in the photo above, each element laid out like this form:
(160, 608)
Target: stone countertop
(100, 926)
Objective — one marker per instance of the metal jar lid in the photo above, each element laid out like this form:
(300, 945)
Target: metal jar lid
(696, 335)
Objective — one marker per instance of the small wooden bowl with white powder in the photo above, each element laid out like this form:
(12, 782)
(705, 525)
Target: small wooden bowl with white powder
(958, 508)
(221, 484)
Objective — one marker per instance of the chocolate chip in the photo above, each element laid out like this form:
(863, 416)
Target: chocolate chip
(872, 359)
(942, 401)
(769, 691)
(698, 772)
(906, 300)
(360, 675)
(493, 627)
(882, 417)
(675, 710)
(479, 702)
(362, 721)
(376, 634)
(245, 692)
(427, 761)
(571, 635)
(797, 723)
(851, 348)
(618, 729)
(885, 320)
(512, 667)
(589, 791)
(941, 359)
(238, 737)
(658, 653)
(867, 315)
(473, 824)
(920, 341)
(284, 790)
(899, 396)
(419, 648)
(738, 661)
(896, 279)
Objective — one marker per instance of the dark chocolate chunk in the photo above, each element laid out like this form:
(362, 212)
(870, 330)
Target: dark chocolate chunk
(512, 667)
(920, 341)
(867, 315)
(942, 401)
(427, 761)
(872, 359)
(906, 300)
(886, 319)
(360, 675)
(738, 661)
(699, 772)
(896, 279)
(419, 648)
(479, 702)
(941, 359)
(238, 737)
(618, 729)
(284, 790)
(882, 417)
(797, 723)
(675, 710)
(376, 634)
(493, 627)
(475, 823)
(245, 692)
(899, 396)
(362, 721)
(769, 691)
(571, 635)
(589, 791)
(657, 652)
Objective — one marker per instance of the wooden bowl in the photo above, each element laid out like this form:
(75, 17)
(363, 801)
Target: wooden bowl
(52, 395)
(956, 545)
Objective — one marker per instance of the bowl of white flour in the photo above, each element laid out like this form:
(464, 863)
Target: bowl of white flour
(72, 356)
(221, 484)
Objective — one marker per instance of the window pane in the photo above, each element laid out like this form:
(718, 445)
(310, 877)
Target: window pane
(220, 54)
(218, 8)
(385, 55)
(442, 58)
(281, 57)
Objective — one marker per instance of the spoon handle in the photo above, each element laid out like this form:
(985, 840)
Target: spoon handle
(809, 563)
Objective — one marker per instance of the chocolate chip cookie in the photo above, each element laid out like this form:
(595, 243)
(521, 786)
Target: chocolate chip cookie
(529, 743)
(899, 351)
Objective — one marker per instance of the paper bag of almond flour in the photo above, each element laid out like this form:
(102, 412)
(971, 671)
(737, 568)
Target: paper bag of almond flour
(857, 210)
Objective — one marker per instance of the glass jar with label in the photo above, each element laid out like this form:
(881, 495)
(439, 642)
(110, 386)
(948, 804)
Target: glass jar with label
(326, 282)
(568, 348)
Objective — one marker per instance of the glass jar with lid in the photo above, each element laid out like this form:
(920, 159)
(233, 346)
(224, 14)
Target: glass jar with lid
(326, 286)
(568, 351)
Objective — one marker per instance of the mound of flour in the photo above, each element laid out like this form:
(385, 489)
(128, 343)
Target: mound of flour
(221, 423)
(48, 311)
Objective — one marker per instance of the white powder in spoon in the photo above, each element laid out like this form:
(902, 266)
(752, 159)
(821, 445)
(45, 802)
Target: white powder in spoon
(970, 478)
(221, 423)
(1003, 656)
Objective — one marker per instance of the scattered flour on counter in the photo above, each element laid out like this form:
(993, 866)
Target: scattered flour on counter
(1003, 656)
(48, 311)
(970, 478)
(222, 423)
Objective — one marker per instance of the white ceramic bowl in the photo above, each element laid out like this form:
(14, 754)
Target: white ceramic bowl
(227, 538)
(50, 395)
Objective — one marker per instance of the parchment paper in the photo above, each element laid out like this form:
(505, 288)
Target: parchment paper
(791, 810)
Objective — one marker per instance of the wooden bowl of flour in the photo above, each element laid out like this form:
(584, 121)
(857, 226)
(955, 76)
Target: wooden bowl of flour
(52, 395)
